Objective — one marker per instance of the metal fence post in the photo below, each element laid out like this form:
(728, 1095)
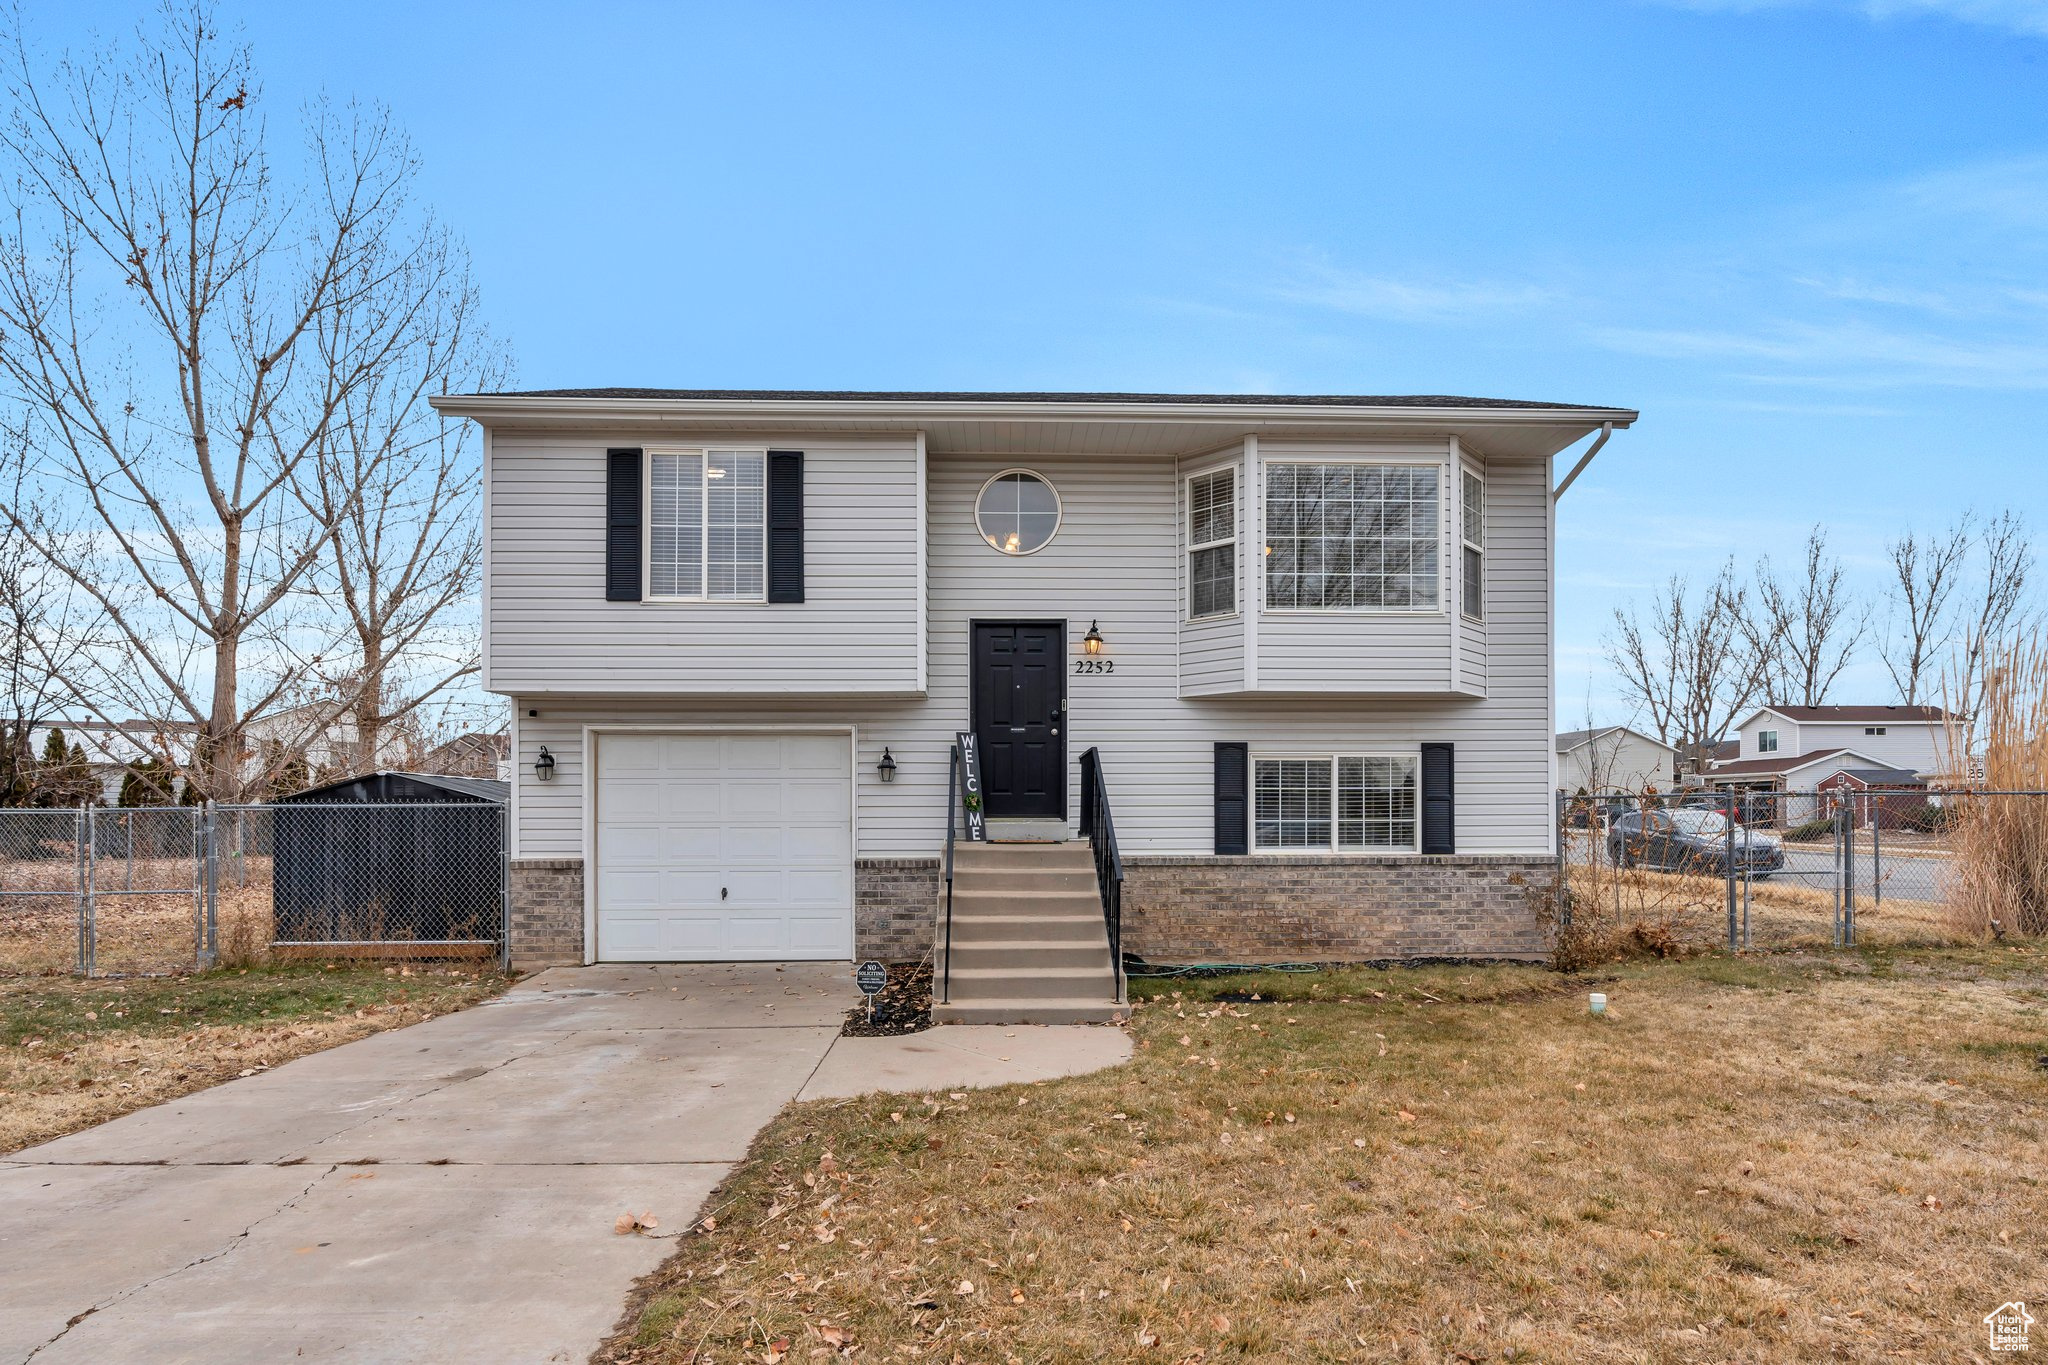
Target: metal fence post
(78, 861)
(505, 887)
(210, 879)
(1728, 862)
(1877, 853)
(1849, 873)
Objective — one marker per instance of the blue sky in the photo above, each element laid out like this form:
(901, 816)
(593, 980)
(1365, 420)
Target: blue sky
(1808, 241)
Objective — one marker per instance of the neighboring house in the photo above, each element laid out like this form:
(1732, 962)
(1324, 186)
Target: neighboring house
(1707, 755)
(1614, 759)
(472, 755)
(1911, 737)
(1308, 637)
(111, 748)
(1891, 798)
(1798, 775)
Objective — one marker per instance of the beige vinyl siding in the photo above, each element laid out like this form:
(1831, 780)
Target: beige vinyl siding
(1115, 560)
(551, 630)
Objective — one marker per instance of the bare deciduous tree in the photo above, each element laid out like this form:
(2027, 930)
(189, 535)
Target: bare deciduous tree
(400, 485)
(1803, 634)
(1996, 613)
(1926, 572)
(1688, 665)
(186, 333)
(41, 621)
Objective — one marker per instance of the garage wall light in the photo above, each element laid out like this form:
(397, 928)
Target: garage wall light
(544, 766)
(1091, 643)
(887, 767)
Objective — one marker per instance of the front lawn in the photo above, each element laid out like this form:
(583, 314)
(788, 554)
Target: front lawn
(75, 1052)
(1757, 1159)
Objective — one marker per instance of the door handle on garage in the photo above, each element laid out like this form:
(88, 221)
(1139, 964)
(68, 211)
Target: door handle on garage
(723, 892)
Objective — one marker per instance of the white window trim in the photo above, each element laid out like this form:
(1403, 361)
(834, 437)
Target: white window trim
(1332, 757)
(647, 593)
(1235, 539)
(1059, 512)
(1478, 547)
(1763, 748)
(1441, 610)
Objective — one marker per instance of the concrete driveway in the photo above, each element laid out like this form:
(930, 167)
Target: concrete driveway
(444, 1192)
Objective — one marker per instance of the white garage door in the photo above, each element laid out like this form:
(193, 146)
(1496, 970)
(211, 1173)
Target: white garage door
(724, 847)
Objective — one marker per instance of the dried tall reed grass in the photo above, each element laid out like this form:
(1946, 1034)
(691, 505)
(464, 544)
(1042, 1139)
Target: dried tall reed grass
(2001, 842)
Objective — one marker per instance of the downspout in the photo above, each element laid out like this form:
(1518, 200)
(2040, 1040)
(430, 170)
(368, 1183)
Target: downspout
(1606, 430)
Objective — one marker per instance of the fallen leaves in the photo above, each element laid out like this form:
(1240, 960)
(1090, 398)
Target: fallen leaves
(630, 1222)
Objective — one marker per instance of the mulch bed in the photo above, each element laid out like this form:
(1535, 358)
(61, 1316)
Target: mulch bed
(902, 1006)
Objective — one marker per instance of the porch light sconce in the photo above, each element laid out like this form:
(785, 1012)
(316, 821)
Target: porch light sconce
(544, 766)
(1091, 643)
(887, 767)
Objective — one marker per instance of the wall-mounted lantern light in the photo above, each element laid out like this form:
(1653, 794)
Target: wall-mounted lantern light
(887, 767)
(544, 766)
(1091, 643)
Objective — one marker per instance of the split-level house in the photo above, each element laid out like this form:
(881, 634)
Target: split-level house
(1302, 643)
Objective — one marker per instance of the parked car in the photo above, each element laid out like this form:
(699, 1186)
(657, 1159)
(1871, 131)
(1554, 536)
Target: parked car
(1691, 840)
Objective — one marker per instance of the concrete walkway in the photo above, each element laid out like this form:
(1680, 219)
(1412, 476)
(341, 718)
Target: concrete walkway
(966, 1056)
(442, 1193)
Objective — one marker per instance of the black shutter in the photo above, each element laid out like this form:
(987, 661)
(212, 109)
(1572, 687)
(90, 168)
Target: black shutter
(1439, 800)
(785, 526)
(1233, 809)
(622, 526)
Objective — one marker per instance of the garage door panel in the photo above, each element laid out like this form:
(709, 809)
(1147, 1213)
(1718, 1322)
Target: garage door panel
(818, 936)
(765, 819)
(817, 888)
(757, 800)
(697, 801)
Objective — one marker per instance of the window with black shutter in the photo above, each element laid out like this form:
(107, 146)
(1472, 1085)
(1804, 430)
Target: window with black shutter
(1439, 804)
(785, 526)
(1233, 807)
(622, 526)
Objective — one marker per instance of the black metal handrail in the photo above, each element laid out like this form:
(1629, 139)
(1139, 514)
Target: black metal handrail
(952, 825)
(1100, 829)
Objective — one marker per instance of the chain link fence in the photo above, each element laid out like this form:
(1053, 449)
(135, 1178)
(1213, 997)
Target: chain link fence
(1834, 866)
(146, 890)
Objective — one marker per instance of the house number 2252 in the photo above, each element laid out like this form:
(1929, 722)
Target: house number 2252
(1095, 665)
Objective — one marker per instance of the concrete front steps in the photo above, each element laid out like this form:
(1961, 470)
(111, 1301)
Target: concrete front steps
(1029, 946)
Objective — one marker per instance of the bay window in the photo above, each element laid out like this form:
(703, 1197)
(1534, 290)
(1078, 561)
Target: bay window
(707, 517)
(1473, 524)
(1344, 803)
(1360, 537)
(1212, 544)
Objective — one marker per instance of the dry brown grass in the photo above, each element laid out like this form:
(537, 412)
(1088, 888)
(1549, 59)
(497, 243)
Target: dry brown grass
(140, 931)
(1625, 912)
(1771, 1159)
(78, 1052)
(2002, 841)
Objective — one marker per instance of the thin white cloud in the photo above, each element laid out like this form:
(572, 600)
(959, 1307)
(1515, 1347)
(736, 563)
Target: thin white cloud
(2018, 16)
(1852, 353)
(1411, 300)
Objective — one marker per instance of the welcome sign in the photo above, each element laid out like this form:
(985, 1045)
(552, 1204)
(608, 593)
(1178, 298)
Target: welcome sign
(970, 787)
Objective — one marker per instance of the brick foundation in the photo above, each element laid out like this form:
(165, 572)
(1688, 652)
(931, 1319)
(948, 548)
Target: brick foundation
(1256, 909)
(547, 913)
(1330, 909)
(895, 905)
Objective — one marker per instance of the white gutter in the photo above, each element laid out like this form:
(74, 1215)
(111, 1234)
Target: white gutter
(915, 412)
(1606, 430)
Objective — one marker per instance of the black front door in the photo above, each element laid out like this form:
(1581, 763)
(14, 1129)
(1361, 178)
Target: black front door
(1020, 687)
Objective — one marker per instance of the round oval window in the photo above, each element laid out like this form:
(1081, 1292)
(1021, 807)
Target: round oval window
(1018, 512)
